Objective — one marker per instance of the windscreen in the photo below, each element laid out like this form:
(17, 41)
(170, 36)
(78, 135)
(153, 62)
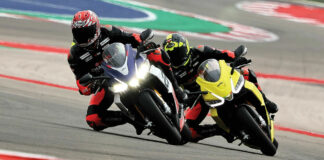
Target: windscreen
(115, 55)
(209, 70)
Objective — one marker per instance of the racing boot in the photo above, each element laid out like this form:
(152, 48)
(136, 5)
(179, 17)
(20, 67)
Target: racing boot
(114, 118)
(205, 131)
(138, 127)
(271, 106)
(108, 119)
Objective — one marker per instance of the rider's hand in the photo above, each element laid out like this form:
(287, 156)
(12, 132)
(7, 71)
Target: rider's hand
(95, 85)
(151, 45)
(240, 62)
(181, 95)
(97, 71)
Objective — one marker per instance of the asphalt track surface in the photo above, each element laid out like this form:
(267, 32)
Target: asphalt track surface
(51, 121)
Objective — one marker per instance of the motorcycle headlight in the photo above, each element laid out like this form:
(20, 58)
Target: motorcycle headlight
(119, 87)
(134, 82)
(143, 69)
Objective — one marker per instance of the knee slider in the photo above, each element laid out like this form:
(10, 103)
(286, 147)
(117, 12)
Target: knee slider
(94, 121)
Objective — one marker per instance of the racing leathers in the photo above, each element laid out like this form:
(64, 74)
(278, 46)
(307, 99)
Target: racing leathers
(186, 76)
(83, 61)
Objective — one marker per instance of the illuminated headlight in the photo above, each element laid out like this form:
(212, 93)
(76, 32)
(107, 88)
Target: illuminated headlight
(143, 69)
(134, 82)
(119, 87)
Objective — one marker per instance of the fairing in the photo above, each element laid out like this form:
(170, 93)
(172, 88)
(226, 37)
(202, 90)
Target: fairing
(120, 62)
(217, 81)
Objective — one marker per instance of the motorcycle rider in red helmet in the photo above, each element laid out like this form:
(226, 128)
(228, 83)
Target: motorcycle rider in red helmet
(85, 57)
(185, 61)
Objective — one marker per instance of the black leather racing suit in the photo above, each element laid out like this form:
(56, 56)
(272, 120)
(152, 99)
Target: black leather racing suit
(83, 61)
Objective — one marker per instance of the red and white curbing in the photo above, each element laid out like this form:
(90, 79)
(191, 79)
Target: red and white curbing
(238, 33)
(14, 155)
(271, 9)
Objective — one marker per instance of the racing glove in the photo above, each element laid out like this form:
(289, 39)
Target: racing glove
(97, 71)
(95, 86)
(181, 95)
(239, 62)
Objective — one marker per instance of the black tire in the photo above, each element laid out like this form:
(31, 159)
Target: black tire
(148, 106)
(244, 117)
(185, 134)
(275, 142)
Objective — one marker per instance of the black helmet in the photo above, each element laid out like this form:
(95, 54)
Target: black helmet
(178, 49)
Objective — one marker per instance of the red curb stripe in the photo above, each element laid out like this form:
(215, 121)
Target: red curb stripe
(299, 131)
(307, 133)
(15, 155)
(11, 157)
(289, 78)
(38, 82)
(34, 47)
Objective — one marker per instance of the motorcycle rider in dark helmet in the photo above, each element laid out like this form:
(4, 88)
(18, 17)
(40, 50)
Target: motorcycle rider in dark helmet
(85, 57)
(185, 61)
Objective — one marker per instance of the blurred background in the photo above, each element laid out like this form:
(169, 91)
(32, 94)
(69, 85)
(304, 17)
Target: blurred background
(40, 111)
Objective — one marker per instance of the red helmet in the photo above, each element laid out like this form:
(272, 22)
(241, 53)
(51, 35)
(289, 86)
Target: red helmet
(85, 28)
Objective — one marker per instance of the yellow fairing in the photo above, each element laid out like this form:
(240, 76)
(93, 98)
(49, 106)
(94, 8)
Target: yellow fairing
(222, 87)
(72, 44)
(272, 131)
(250, 86)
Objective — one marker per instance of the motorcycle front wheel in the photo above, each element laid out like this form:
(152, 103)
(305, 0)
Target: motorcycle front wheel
(244, 117)
(148, 106)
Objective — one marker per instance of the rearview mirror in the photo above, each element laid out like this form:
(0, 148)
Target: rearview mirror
(147, 35)
(240, 51)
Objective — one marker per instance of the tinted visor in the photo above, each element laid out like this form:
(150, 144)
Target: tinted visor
(179, 56)
(84, 35)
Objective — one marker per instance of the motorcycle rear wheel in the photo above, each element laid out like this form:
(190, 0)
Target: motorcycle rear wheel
(267, 147)
(148, 106)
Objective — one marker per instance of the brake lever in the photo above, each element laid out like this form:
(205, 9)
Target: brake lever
(99, 88)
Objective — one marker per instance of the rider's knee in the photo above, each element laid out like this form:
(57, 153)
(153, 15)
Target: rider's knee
(95, 122)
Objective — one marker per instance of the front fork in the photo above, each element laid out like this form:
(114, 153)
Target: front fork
(268, 127)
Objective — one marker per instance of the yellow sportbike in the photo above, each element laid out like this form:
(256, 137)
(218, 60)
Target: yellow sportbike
(236, 105)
